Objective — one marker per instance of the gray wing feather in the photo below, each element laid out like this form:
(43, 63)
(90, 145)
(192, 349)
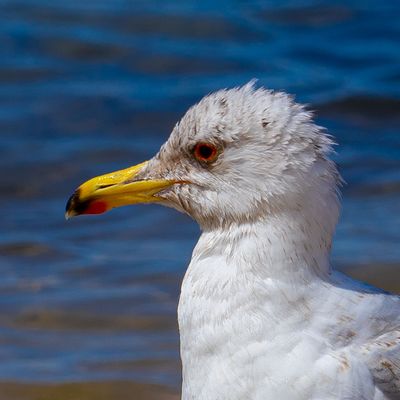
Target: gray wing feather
(382, 356)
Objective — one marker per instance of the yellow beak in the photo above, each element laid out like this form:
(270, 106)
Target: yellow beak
(116, 189)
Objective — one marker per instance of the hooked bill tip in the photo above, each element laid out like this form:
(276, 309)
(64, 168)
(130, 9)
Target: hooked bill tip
(75, 206)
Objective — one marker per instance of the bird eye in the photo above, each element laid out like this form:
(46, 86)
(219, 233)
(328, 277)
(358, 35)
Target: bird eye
(205, 152)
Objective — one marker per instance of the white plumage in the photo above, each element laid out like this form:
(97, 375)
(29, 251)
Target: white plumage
(261, 315)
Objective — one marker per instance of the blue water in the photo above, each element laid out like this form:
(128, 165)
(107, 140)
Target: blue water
(87, 87)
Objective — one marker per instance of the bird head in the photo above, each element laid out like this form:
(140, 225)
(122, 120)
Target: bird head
(237, 156)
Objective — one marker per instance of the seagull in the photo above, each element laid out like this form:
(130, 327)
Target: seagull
(262, 315)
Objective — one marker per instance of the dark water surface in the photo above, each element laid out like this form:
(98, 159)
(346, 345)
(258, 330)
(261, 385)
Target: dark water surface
(87, 87)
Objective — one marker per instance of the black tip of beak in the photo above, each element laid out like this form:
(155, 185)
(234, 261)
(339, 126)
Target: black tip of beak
(71, 201)
(74, 205)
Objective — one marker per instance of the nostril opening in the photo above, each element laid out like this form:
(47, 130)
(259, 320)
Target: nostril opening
(105, 186)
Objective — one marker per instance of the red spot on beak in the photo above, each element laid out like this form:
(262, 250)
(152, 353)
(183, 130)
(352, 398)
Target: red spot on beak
(96, 207)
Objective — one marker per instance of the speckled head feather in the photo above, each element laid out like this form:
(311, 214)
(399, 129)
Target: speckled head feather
(271, 158)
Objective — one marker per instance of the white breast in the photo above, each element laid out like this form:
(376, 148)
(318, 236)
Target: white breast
(252, 335)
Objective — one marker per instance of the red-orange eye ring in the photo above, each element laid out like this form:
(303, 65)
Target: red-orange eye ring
(205, 152)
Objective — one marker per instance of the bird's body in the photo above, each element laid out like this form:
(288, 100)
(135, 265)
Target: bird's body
(250, 332)
(262, 316)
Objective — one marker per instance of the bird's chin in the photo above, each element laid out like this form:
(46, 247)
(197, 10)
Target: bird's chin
(172, 197)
